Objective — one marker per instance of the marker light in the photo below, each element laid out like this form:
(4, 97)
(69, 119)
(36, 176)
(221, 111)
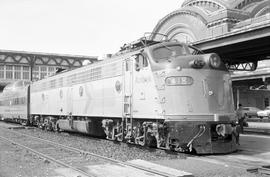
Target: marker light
(179, 80)
(215, 61)
(178, 68)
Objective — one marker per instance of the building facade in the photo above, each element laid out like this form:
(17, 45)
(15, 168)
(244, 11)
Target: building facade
(204, 20)
(252, 89)
(198, 20)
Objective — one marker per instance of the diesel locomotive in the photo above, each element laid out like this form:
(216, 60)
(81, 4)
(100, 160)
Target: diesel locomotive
(163, 94)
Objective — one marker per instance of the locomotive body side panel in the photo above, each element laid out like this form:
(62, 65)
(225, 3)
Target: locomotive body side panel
(100, 97)
(112, 98)
(50, 102)
(88, 91)
(146, 101)
(96, 99)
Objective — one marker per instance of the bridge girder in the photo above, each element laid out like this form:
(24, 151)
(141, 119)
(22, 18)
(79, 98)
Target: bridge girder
(16, 65)
(29, 58)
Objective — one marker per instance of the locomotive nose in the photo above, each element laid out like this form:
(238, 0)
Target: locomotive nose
(212, 61)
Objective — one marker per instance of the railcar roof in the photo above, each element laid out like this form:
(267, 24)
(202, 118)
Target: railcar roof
(15, 85)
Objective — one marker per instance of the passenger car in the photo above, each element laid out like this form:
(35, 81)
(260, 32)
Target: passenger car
(250, 111)
(264, 113)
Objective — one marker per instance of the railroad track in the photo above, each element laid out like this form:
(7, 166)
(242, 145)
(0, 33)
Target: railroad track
(239, 159)
(70, 157)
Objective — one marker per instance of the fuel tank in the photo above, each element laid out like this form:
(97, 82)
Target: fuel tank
(91, 127)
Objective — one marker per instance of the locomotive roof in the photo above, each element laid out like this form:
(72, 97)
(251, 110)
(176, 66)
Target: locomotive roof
(126, 50)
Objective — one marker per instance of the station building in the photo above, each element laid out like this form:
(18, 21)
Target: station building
(252, 89)
(198, 21)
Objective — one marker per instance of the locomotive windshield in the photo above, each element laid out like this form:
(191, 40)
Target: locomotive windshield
(165, 52)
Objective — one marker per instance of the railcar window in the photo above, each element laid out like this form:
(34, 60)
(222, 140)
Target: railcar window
(166, 52)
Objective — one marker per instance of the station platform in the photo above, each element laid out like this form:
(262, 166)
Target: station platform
(258, 127)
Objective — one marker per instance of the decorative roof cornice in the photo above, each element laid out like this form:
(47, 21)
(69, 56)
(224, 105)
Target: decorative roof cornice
(219, 4)
(184, 11)
(224, 20)
(223, 4)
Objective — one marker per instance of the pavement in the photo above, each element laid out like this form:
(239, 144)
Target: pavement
(144, 169)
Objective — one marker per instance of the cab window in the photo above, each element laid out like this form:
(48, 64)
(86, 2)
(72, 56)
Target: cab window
(166, 52)
(140, 62)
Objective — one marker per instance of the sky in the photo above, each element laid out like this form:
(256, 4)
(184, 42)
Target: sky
(78, 27)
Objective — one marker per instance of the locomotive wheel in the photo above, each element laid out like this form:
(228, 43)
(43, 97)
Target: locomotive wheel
(120, 136)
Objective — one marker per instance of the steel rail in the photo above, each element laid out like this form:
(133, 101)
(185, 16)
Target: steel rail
(48, 157)
(99, 156)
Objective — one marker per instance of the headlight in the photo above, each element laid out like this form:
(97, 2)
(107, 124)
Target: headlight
(215, 61)
(179, 80)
